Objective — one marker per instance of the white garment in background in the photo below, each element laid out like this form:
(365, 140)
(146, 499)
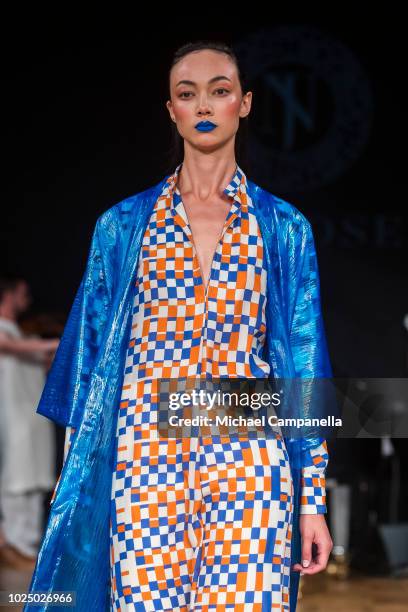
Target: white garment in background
(27, 439)
(23, 520)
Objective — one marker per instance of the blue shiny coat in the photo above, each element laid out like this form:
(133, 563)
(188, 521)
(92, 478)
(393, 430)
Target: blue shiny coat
(84, 384)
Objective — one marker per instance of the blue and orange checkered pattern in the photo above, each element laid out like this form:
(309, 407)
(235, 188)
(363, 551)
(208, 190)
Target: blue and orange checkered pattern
(200, 523)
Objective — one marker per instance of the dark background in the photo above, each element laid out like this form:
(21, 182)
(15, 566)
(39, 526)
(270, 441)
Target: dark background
(85, 125)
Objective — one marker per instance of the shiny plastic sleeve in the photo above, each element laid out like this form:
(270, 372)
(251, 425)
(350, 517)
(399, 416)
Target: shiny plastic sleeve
(62, 398)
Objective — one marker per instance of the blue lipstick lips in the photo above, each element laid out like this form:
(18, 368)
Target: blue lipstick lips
(205, 126)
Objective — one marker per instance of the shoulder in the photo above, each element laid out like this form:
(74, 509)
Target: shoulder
(124, 211)
(115, 226)
(289, 220)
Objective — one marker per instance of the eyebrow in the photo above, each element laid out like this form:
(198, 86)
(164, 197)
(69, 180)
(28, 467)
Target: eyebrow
(216, 78)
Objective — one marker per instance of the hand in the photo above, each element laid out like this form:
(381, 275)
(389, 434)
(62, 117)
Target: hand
(50, 344)
(313, 529)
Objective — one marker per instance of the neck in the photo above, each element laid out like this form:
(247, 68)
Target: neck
(204, 177)
(7, 312)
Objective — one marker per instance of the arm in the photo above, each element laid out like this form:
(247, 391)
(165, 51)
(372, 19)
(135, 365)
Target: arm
(311, 360)
(64, 394)
(26, 346)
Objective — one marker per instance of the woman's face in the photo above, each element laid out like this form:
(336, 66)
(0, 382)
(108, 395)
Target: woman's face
(204, 86)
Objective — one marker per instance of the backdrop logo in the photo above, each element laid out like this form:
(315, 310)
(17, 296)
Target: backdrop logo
(312, 105)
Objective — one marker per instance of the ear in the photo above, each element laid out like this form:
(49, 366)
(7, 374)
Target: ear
(169, 105)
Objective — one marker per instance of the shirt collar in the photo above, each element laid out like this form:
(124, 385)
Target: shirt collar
(235, 189)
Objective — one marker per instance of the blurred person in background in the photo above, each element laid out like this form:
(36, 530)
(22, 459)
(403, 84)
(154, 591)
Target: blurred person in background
(27, 442)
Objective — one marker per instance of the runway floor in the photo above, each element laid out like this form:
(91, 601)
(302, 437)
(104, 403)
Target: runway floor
(319, 593)
(322, 593)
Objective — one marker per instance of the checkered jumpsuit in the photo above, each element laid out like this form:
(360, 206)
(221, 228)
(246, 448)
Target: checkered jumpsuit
(205, 523)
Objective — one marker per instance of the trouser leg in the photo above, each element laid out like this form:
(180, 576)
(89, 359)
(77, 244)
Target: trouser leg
(340, 517)
(22, 520)
(246, 514)
(156, 534)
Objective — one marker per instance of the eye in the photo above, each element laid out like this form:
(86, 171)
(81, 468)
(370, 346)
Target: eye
(184, 92)
(222, 89)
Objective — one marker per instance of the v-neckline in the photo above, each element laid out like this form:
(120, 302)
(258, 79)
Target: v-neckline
(221, 235)
(187, 228)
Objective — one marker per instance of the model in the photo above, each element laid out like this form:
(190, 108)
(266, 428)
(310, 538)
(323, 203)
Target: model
(203, 275)
(27, 445)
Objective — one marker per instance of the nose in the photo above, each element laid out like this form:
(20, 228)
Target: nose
(203, 107)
